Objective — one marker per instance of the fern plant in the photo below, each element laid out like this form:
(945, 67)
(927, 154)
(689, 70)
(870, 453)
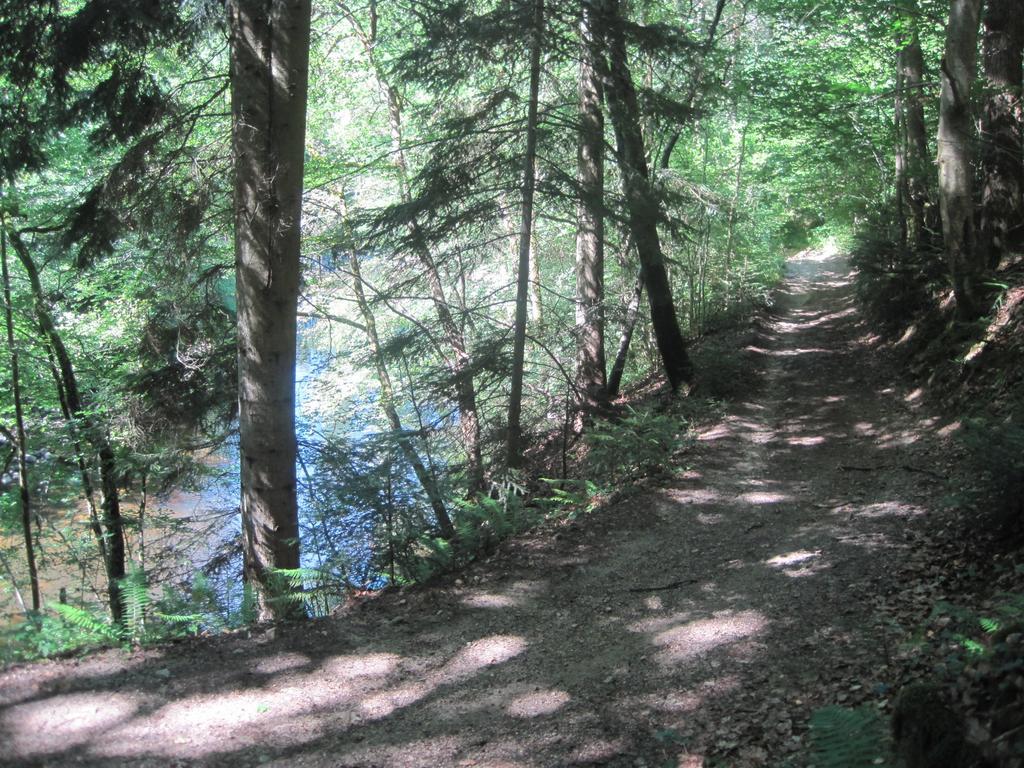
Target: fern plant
(849, 738)
(133, 592)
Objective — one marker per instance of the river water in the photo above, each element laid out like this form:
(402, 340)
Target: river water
(193, 529)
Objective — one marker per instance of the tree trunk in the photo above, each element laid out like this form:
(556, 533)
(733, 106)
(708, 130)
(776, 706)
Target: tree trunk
(387, 404)
(112, 536)
(1002, 159)
(900, 162)
(919, 173)
(514, 440)
(632, 314)
(956, 170)
(459, 363)
(269, 76)
(591, 383)
(19, 423)
(641, 202)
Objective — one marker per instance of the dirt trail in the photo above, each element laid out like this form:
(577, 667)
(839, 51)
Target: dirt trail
(696, 623)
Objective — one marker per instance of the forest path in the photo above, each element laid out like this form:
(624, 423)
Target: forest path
(695, 623)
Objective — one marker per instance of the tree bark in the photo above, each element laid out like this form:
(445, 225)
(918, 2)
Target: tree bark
(641, 202)
(112, 535)
(591, 378)
(956, 170)
(900, 163)
(269, 77)
(19, 423)
(1002, 158)
(514, 439)
(919, 165)
(625, 338)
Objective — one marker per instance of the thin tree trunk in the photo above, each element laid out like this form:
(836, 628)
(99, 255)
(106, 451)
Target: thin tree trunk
(514, 441)
(641, 202)
(143, 503)
(19, 598)
(1002, 156)
(632, 315)
(536, 294)
(19, 423)
(387, 404)
(956, 169)
(83, 466)
(110, 502)
(591, 378)
(730, 245)
(269, 77)
(459, 363)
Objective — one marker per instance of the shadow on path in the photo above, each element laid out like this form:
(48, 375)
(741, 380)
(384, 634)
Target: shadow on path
(706, 617)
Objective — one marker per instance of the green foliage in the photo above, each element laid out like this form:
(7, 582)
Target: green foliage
(479, 526)
(895, 288)
(641, 442)
(94, 629)
(317, 589)
(996, 449)
(570, 497)
(849, 738)
(133, 591)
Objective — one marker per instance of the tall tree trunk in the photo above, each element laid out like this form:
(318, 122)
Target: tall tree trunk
(19, 423)
(591, 381)
(919, 168)
(956, 169)
(641, 202)
(387, 404)
(900, 164)
(1002, 158)
(112, 539)
(514, 440)
(459, 363)
(269, 76)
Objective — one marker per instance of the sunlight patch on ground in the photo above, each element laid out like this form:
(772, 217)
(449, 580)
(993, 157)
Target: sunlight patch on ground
(484, 653)
(718, 432)
(77, 717)
(538, 704)
(791, 559)
(890, 509)
(366, 665)
(599, 752)
(798, 352)
(764, 497)
(694, 496)
(799, 563)
(805, 442)
(689, 640)
(280, 662)
(490, 600)
(383, 704)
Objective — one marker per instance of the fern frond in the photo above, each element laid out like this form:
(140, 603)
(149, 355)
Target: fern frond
(849, 738)
(87, 622)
